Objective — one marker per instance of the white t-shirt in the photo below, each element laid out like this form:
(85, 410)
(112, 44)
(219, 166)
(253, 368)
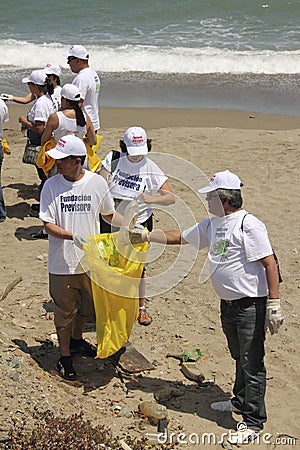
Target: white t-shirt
(75, 207)
(40, 110)
(88, 83)
(130, 179)
(3, 116)
(234, 253)
(56, 98)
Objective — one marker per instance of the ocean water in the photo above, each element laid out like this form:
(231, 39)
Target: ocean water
(188, 53)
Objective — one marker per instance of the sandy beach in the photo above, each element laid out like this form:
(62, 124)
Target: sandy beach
(264, 151)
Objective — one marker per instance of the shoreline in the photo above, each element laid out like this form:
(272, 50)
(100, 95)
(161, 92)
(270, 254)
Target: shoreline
(156, 118)
(261, 93)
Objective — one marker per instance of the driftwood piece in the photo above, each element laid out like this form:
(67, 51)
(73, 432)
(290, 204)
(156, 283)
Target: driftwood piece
(10, 287)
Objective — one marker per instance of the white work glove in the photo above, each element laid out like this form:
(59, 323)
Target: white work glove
(79, 240)
(6, 97)
(135, 235)
(138, 234)
(274, 315)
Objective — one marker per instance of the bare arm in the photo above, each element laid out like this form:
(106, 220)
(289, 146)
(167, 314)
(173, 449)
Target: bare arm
(272, 275)
(24, 100)
(90, 132)
(57, 232)
(165, 196)
(115, 219)
(172, 237)
(37, 127)
(51, 125)
(104, 173)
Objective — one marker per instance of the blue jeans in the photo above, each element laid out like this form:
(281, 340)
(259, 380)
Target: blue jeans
(2, 204)
(243, 322)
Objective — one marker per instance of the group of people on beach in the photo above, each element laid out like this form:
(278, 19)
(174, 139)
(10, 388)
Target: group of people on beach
(77, 201)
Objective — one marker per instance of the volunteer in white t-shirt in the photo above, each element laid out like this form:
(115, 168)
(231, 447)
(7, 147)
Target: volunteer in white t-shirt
(134, 176)
(70, 120)
(87, 81)
(39, 112)
(53, 73)
(71, 202)
(245, 276)
(3, 118)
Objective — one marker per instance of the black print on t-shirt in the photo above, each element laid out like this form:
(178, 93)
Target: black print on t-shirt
(75, 203)
(128, 181)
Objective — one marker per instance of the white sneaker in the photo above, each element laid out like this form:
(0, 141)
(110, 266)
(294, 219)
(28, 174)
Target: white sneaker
(225, 406)
(243, 437)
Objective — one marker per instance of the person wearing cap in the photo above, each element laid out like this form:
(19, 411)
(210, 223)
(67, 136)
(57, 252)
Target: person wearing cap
(71, 119)
(87, 80)
(244, 275)
(4, 117)
(134, 176)
(70, 205)
(53, 73)
(39, 112)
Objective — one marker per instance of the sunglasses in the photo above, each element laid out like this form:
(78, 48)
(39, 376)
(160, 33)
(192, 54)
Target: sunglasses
(70, 59)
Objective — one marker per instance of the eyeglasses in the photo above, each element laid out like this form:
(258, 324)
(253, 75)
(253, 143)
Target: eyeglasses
(70, 59)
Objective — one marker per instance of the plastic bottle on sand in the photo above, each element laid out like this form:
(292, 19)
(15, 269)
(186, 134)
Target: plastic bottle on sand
(153, 410)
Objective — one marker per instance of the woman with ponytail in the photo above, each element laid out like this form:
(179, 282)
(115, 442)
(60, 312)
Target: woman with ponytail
(71, 119)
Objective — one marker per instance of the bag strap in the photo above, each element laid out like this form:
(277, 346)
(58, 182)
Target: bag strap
(274, 254)
(242, 224)
(114, 160)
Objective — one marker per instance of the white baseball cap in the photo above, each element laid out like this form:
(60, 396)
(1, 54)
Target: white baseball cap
(52, 69)
(136, 141)
(79, 51)
(36, 77)
(68, 145)
(222, 180)
(70, 92)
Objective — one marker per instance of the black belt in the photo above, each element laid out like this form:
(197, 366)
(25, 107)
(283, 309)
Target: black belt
(245, 301)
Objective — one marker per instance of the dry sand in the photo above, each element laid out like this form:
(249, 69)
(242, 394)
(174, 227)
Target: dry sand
(264, 151)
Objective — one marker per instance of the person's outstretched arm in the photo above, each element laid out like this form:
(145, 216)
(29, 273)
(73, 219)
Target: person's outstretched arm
(172, 237)
(164, 196)
(24, 100)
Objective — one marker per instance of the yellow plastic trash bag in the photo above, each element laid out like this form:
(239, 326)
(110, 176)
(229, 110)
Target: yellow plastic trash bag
(99, 138)
(5, 147)
(46, 163)
(115, 274)
(94, 161)
(43, 160)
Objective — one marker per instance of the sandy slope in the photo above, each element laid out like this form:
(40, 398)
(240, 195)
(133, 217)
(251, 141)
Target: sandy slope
(187, 315)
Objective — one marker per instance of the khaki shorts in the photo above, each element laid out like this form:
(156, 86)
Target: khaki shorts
(72, 295)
